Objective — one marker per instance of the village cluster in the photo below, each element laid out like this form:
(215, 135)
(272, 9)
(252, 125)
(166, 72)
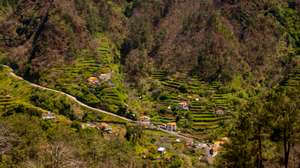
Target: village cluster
(99, 126)
(210, 149)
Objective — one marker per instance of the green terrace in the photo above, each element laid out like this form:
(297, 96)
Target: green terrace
(159, 75)
(293, 78)
(18, 95)
(203, 117)
(73, 79)
(6, 101)
(203, 112)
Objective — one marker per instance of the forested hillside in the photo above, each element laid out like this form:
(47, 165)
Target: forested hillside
(217, 69)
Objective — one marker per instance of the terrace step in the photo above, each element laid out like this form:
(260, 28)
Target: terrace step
(209, 115)
(200, 128)
(199, 124)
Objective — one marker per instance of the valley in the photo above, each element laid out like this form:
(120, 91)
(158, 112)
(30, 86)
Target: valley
(149, 83)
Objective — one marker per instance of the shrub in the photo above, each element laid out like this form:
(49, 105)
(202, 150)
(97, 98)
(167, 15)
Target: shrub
(183, 88)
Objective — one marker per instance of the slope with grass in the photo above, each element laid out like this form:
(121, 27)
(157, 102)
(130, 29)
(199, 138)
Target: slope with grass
(209, 106)
(109, 94)
(17, 93)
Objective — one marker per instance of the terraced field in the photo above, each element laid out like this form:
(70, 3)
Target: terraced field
(73, 79)
(203, 117)
(203, 112)
(159, 75)
(6, 102)
(293, 79)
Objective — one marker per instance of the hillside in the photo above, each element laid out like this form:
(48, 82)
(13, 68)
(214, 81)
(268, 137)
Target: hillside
(216, 40)
(43, 127)
(216, 69)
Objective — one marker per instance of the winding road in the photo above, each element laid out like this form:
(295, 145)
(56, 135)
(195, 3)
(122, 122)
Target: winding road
(12, 74)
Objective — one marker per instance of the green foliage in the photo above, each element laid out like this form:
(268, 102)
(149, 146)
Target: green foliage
(58, 104)
(267, 126)
(28, 141)
(290, 20)
(176, 162)
(134, 134)
(183, 88)
(7, 3)
(92, 117)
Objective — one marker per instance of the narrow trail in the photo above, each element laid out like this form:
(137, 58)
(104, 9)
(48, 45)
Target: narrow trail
(12, 74)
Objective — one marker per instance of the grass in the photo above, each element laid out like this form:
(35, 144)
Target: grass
(72, 78)
(18, 93)
(177, 89)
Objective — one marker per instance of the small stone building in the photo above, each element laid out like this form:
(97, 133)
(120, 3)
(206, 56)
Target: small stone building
(171, 126)
(184, 105)
(93, 80)
(48, 116)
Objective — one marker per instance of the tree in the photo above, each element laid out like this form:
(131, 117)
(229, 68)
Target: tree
(285, 110)
(238, 153)
(175, 162)
(260, 121)
(134, 133)
(247, 136)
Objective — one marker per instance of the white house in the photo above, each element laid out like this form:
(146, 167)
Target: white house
(105, 77)
(161, 150)
(48, 116)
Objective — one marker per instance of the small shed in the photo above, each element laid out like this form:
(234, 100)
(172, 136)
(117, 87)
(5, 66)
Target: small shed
(220, 112)
(93, 80)
(145, 121)
(103, 126)
(171, 126)
(105, 76)
(48, 116)
(184, 105)
(161, 150)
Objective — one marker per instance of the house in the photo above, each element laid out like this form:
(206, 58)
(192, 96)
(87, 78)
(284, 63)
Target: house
(171, 126)
(105, 76)
(105, 127)
(88, 125)
(219, 112)
(108, 129)
(145, 121)
(93, 80)
(217, 146)
(48, 116)
(184, 105)
(161, 150)
(163, 126)
(102, 126)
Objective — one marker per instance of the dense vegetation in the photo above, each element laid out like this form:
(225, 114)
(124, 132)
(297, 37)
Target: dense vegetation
(266, 131)
(234, 62)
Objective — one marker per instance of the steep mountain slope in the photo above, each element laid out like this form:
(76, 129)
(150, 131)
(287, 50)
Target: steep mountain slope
(196, 64)
(40, 34)
(94, 49)
(60, 44)
(214, 39)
